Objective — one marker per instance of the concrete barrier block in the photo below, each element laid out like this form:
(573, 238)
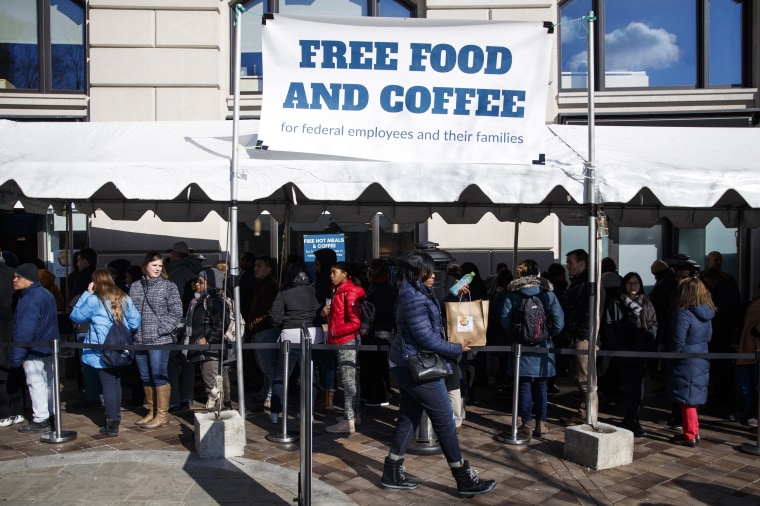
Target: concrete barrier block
(605, 447)
(219, 438)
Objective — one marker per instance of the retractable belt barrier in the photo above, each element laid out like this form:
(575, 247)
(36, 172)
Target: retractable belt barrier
(59, 435)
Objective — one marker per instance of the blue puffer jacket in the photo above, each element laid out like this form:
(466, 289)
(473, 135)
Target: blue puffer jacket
(537, 365)
(418, 321)
(36, 319)
(688, 378)
(90, 309)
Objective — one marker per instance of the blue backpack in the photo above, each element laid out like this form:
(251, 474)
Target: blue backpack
(118, 335)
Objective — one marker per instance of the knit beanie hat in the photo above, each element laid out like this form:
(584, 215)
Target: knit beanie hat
(659, 266)
(28, 271)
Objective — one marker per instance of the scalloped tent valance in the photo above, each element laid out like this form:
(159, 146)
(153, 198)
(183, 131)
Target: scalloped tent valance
(181, 172)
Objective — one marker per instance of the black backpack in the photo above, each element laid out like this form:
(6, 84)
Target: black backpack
(118, 335)
(366, 315)
(529, 324)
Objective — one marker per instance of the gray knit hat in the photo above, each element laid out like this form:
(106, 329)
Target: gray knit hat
(28, 271)
(213, 276)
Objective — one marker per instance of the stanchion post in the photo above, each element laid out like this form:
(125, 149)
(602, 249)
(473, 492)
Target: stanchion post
(307, 379)
(426, 443)
(284, 436)
(511, 438)
(58, 435)
(754, 448)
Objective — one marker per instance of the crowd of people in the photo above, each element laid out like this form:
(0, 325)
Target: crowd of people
(176, 299)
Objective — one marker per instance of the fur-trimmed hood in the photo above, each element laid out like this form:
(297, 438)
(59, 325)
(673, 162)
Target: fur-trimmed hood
(519, 284)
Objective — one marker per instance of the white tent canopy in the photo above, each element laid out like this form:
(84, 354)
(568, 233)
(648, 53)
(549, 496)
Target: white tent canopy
(181, 172)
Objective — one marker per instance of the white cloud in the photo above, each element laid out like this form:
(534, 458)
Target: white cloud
(635, 47)
(639, 47)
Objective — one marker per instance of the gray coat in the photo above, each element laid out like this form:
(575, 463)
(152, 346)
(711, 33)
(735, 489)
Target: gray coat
(157, 300)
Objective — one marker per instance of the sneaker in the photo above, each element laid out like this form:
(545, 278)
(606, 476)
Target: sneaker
(342, 427)
(680, 439)
(357, 419)
(6, 422)
(752, 422)
(17, 419)
(274, 418)
(35, 427)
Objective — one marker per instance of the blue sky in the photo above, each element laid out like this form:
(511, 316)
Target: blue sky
(658, 37)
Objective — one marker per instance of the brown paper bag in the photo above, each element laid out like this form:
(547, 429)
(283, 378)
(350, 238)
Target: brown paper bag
(467, 321)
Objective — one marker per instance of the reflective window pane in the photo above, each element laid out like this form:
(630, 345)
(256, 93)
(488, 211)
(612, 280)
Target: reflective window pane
(573, 44)
(324, 7)
(395, 9)
(725, 43)
(251, 68)
(650, 43)
(19, 50)
(67, 45)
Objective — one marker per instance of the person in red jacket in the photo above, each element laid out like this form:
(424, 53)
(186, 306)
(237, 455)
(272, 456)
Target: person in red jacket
(344, 319)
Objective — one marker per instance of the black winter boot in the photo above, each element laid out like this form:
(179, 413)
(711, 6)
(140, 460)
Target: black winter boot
(468, 482)
(394, 477)
(111, 428)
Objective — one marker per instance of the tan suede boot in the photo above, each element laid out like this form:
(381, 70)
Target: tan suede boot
(150, 397)
(329, 399)
(162, 408)
(321, 401)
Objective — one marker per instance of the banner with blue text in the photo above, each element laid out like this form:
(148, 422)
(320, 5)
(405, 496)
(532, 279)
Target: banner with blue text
(412, 90)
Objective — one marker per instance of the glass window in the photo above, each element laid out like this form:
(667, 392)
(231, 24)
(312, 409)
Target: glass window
(19, 51)
(725, 43)
(651, 43)
(252, 69)
(67, 45)
(42, 45)
(574, 44)
(638, 247)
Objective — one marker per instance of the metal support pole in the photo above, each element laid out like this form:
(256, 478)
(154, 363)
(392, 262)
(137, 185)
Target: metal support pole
(284, 436)
(754, 448)
(307, 381)
(592, 401)
(506, 437)
(58, 435)
(234, 259)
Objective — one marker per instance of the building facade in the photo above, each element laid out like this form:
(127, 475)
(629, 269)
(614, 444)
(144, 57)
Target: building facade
(690, 62)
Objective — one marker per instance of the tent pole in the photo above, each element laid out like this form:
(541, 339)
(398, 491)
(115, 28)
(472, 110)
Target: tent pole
(592, 401)
(516, 241)
(234, 257)
(69, 249)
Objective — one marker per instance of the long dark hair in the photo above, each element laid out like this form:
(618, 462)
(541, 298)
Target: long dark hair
(416, 267)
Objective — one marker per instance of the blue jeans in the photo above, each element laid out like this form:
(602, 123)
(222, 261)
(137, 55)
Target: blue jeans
(746, 388)
(434, 399)
(110, 379)
(153, 365)
(278, 396)
(324, 360)
(532, 399)
(267, 358)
